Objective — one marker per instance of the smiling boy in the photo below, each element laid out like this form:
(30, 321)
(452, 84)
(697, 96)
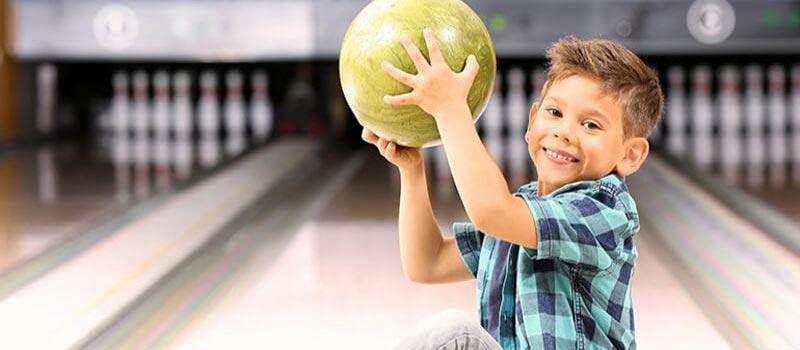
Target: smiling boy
(553, 260)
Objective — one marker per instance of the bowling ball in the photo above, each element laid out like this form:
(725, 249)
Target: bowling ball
(374, 36)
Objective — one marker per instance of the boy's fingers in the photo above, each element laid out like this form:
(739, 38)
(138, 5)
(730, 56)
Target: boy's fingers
(382, 145)
(471, 68)
(416, 55)
(368, 135)
(434, 51)
(404, 99)
(398, 74)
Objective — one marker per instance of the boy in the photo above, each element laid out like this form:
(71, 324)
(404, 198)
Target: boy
(554, 260)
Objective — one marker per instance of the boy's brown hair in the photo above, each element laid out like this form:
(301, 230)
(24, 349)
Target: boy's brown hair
(621, 74)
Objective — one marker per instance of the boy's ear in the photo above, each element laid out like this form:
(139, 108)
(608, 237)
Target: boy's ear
(635, 152)
(534, 110)
(531, 116)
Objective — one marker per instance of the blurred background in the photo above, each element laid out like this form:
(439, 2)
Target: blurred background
(187, 174)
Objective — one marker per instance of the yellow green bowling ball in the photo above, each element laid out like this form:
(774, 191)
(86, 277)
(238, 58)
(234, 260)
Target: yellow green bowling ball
(374, 36)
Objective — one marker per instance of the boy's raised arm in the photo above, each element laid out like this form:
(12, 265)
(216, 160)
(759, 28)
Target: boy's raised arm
(427, 257)
(480, 183)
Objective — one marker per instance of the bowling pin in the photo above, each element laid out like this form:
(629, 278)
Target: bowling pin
(234, 113)
(46, 98)
(161, 126)
(777, 126)
(120, 109)
(676, 112)
(208, 119)
(702, 118)
(492, 124)
(517, 117)
(754, 107)
(141, 133)
(730, 123)
(120, 145)
(261, 109)
(208, 109)
(182, 124)
(182, 115)
(796, 124)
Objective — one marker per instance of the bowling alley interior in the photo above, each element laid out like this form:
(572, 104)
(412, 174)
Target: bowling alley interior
(191, 174)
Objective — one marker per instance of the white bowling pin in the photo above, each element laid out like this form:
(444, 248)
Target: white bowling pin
(141, 117)
(730, 123)
(120, 108)
(492, 124)
(46, 96)
(141, 132)
(754, 107)
(796, 123)
(234, 113)
(777, 126)
(261, 108)
(182, 115)
(702, 118)
(517, 117)
(676, 112)
(161, 126)
(208, 109)
(120, 144)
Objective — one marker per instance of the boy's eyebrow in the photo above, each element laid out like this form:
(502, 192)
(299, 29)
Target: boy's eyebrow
(591, 111)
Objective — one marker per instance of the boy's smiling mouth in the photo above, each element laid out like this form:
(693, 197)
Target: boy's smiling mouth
(558, 156)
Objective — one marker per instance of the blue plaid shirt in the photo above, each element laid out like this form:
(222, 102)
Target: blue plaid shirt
(573, 290)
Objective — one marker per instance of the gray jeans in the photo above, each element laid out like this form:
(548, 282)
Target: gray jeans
(449, 330)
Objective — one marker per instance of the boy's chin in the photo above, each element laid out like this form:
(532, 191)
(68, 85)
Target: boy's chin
(555, 179)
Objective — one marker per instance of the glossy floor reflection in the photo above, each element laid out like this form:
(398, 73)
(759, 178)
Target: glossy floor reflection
(48, 194)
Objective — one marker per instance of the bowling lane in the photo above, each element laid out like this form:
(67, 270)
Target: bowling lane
(330, 265)
(48, 195)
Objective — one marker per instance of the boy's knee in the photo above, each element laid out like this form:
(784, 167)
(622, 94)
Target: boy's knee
(452, 321)
(449, 329)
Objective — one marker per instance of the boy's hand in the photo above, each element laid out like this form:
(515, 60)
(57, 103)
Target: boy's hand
(435, 86)
(404, 158)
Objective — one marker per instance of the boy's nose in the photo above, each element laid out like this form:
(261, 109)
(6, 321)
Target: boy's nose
(563, 132)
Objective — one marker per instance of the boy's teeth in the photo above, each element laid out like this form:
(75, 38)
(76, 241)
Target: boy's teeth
(558, 156)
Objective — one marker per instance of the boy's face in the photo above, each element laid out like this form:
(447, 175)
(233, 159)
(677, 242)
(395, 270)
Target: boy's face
(577, 134)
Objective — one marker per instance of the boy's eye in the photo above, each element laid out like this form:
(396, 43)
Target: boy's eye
(591, 125)
(554, 112)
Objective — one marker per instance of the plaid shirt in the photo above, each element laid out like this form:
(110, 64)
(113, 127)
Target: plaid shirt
(571, 292)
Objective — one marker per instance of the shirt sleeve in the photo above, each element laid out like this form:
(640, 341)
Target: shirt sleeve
(580, 228)
(469, 241)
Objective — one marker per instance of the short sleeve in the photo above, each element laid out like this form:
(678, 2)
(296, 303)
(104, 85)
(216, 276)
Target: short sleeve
(469, 241)
(585, 228)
